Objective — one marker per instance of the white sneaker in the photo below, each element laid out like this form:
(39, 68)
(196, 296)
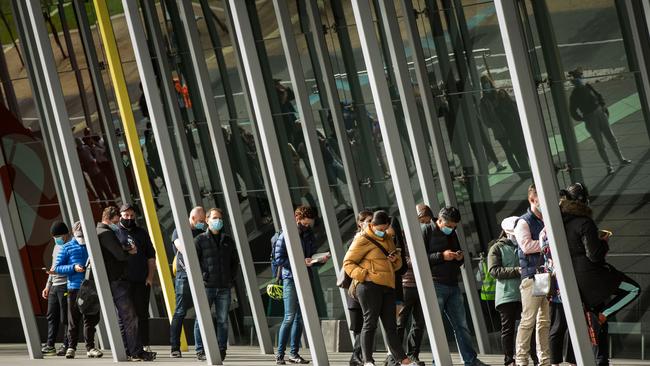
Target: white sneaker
(94, 353)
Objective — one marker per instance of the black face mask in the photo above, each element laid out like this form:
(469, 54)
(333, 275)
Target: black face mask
(127, 223)
(303, 228)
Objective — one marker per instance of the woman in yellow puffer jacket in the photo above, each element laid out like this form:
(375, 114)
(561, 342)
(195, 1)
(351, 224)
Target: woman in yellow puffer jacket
(373, 268)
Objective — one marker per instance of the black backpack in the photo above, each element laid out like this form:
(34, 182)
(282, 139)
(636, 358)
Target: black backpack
(87, 298)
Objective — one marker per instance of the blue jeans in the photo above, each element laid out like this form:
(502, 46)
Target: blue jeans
(183, 304)
(219, 300)
(452, 305)
(292, 322)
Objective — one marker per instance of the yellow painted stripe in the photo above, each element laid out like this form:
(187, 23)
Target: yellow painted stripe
(139, 167)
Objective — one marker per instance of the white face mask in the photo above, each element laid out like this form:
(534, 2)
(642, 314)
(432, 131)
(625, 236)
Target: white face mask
(80, 239)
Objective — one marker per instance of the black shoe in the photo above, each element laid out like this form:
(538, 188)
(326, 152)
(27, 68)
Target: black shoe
(279, 360)
(49, 350)
(297, 359)
(223, 354)
(144, 356)
(61, 351)
(176, 354)
(201, 356)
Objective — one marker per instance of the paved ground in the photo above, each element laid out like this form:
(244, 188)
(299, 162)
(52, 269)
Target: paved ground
(249, 356)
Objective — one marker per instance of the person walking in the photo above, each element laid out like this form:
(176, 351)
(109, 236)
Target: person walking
(371, 262)
(141, 268)
(71, 262)
(445, 259)
(181, 283)
(588, 105)
(218, 259)
(503, 265)
(55, 293)
(535, 310)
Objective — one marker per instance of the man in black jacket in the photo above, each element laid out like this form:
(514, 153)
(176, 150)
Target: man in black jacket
(445, 259)
(116, 258)
(218, 258)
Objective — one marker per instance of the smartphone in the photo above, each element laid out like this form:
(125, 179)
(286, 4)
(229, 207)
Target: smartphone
(45, 269)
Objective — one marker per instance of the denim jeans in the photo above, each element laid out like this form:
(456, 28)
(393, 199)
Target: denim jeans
(127, 316)
(292, 322)
(183, 304)
(452, 305)
(219, 301)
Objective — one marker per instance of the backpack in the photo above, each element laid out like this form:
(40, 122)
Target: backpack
(87, 297)
(274, 243)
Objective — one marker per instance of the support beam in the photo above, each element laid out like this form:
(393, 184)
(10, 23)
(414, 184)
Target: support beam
(543, 170)
(308, 125)
(401, 182)
(61, 125)
(233, 208)
(172, 178)
(246, 41)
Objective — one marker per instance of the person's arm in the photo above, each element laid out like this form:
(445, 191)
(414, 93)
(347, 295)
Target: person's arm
(109, 241)
(280, 255)
(435, 258)
(496, 268)
(62, 265)
(178, 244)
(525, 239)
(573, 107)
(234, 262)
(357, 251)
(596, 249)
(150, 252)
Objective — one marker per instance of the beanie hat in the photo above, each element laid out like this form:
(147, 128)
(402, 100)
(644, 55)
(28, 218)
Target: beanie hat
(59, 228)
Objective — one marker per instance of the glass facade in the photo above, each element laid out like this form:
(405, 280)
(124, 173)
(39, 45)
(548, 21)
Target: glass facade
(468, 94)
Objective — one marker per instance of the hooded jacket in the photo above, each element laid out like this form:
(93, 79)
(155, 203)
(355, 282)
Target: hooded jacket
(116, 258)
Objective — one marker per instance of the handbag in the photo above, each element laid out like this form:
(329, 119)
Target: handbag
(276, 290)
(352, 289)
(343, 280)
(87, 298)
(542, 282)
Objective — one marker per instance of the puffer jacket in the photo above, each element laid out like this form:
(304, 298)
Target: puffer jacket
(364, 259)
(218, 259)
(281, 255)
(71, 254)
(503, 265)
(597, 280)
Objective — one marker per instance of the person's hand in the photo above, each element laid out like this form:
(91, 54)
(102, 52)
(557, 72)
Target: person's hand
(308, 262)
(459, 255)
(326, 259)
(45, 293)
(392, 258)
(79, 268)
(449, 255)
(133, 250)
(149, 281)
(50, 271)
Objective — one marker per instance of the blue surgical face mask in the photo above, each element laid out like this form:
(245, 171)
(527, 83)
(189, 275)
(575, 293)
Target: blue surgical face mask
(447, 230)
(216, 225)
(578, 81)
(59, 240)
(380, 233)
(114, 227)
(200, 226)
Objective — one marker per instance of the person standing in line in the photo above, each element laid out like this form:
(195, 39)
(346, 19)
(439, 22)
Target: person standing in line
(371, 262)
(116, 259)
(55, 293)
(445, 259)
(181, 284)
(291, 327)
(503, 265)
(219, 263)
(588, 105)
(535, 310)
(356, 314)
(71, 262)
(140, 270)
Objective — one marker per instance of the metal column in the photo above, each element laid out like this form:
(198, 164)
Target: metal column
(172, 178)
(332, 98)
(541, 161)
(292, 56)
(61, 119)
(401, 181)
(206, 94)
(407, 97)
(242, 27)
(15, 264)
(103, 107)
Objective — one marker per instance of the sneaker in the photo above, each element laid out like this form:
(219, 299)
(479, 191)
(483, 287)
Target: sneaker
(297, 359)
(279, 360)
(69, 353)
(369, 364)
(223, 354)
(94, 353)
(61, 351)
(48, 350)
(176, 354)
(610, 170)
(144, 356)
(201, 356)
(500, 167)
(146, 348)
(626, 161)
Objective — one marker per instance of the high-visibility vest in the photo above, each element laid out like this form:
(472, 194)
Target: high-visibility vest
(489, 286)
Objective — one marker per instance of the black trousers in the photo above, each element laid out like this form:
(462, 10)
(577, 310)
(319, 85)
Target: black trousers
(510, 313)
(559, 330)
(75, 321)
(411, 306)
(57, 314)
(139, 293)
(378, 302)
(356, 324)
(127, 316)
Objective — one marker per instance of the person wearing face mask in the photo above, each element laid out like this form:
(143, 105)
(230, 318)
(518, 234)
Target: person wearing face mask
(116, 260)
(219, 263)
(445, 260)
(535, 310)
(291, 327)
(141, 268)
(71, 262)
(55, 294)
(586, 104)
(181, 284)
(371, 262)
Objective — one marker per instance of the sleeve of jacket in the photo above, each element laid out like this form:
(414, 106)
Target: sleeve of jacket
(62, 265)
(596, 249)
(357, 251)
(199, 250)
(434, 257)
(234, 261)
(495, 265)
(109, 242)
(280, 255)
(573, 107)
